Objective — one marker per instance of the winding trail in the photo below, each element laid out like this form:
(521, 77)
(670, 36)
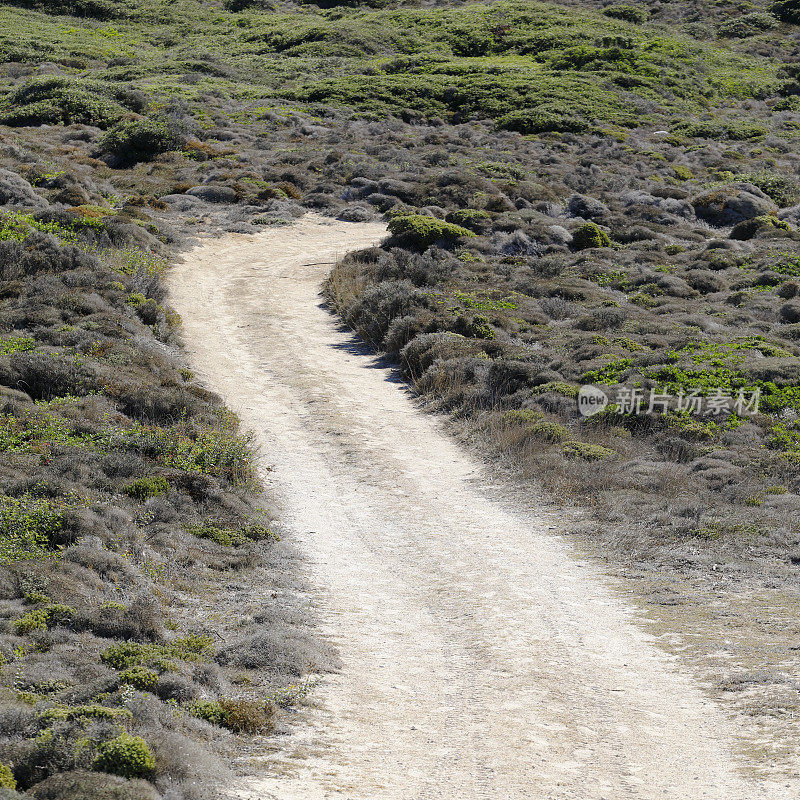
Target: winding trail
(480, 658)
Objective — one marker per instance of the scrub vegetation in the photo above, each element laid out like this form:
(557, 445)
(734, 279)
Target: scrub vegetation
(575, 193)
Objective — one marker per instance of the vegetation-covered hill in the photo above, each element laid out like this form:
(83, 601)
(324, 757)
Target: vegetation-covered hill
(577, 193)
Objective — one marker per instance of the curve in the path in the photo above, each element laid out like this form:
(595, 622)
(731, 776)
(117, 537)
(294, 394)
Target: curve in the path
(480, 659)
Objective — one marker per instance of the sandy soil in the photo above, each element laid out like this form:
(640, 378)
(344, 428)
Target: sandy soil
(481, 658)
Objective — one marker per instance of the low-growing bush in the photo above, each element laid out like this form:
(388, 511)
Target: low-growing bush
(84, 785)
(240, 716)
(127, 756)
(746, 25)
(425, 231)
(7, 780)
(522, 416)
(590, 235)
(783, 189)
(29, 525)
(131, 654)
(587, 451)
(629, 13)
(94, 711)
(231, 537)
(551, 432)
(787, 11)
(96, 9)
(247, 5)
(735, 130)
(542, 120)
(141, 140)
(766, 224)
(43, 618)
(139, 677)
(151, 486)
(475, 219)
(211, 451)
(56, 100)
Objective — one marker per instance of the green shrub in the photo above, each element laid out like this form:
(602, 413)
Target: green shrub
(231, 537)
(239, 716)
(542, 120)
(782, 188)
(41, 618)
(209, 710)
(246, 5)
(127, 756)
(139, 677)
(590, 235)
(124, 655)
(220, 452)
(133, 261)
(61, 713)
(35, 598)
(787, 11)
(522, 415)
(425, 231)
(151, 486)
(475, 327)
(546, 431)
(7, 780)
(558, 387)
(35, 433)
(791, 103)
(33, 620)
(57, 100)
(789, 264)
(735, 130)
(749, 228)
(96, 9)
(472, 218)
(140, 140)
(29, 525)
(16, 344)
(629, 13)
(16, 226)
(687, 427)
(746, 25)
(587, 451)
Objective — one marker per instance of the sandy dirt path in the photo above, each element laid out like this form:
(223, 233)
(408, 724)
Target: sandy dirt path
(480, 658)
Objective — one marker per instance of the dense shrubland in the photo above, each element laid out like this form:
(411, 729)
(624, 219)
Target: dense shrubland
(126, 496)
(573, 195)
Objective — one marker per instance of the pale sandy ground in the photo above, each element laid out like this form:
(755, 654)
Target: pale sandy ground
(481, 658)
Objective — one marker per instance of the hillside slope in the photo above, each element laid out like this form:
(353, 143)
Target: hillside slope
(578, 193)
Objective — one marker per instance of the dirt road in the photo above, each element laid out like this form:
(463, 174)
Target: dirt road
(480, 658)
